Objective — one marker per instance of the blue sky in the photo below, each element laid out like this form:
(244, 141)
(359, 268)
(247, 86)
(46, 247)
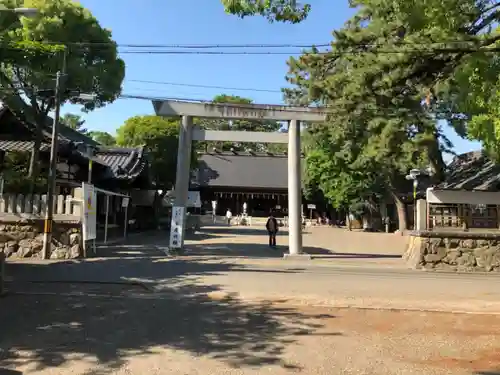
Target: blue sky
(204, 22)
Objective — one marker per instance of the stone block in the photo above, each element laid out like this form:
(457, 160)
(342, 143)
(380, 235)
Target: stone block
(75, 251)
(458, 251)
(451, 243)
(468, 244)
(452, 256)
(59, 253)
(432, 258)
(75, 239)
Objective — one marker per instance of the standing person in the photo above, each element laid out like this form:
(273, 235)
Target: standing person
(272, 229)
(229, 216)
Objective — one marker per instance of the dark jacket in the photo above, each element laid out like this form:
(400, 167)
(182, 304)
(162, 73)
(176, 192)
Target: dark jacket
(272, 225)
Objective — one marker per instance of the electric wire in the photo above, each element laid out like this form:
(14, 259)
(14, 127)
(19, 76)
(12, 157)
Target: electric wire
(203, 86)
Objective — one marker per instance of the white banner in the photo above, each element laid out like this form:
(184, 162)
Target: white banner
(177, 227)
(194, 199)
(89, 212)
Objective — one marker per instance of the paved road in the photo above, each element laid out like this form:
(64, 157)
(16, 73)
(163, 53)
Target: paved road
(265, 275)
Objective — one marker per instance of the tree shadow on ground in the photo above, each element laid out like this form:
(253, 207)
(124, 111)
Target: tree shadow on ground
(105, 325)
(260, 250)
(246, 250)
(4, 371)
(239, 230)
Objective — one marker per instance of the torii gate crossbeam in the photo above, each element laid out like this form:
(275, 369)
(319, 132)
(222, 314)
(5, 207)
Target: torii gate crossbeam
(294, 115)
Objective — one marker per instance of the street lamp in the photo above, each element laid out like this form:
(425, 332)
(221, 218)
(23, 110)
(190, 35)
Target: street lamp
(26, 12)
(413, 175)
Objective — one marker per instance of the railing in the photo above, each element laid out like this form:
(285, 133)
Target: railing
(15, 206)
(462, 216)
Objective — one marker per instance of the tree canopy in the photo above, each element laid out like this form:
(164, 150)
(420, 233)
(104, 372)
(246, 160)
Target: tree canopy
(160, 136)
(394, 69)
(74, 122)
(274, 10)
(244, 125)
(103, 138)
(92, 68)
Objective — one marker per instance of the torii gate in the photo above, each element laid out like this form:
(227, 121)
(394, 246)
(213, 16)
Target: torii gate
(188, 133)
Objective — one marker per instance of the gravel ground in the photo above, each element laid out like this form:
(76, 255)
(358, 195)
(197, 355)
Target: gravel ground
(195, 335)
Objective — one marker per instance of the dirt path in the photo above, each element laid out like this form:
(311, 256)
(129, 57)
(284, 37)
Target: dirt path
(55, 335)
(190, 319)
(324, 244)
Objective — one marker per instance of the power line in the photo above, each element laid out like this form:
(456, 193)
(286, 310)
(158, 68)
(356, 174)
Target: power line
(352, 51)
(470, 43)
(204, 86)
(181, 46)
(219, 46)
(221, 53)
(284, 108)
(242, 45)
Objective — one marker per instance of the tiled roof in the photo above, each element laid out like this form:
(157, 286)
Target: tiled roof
(472, 171)
(66, 134)
(23, 146)
(242, 170)
(123, 163)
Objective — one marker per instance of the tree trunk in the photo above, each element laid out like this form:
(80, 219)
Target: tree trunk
(401, 210)
(436, 161)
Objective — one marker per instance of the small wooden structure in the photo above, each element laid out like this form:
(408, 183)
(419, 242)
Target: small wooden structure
(80, 159)
(469, 199)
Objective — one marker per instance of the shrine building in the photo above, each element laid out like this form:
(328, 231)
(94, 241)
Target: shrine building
(233, 178)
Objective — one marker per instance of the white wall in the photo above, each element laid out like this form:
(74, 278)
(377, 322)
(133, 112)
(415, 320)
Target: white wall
(462, 197)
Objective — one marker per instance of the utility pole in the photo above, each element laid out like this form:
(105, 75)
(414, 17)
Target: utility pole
(47, 230)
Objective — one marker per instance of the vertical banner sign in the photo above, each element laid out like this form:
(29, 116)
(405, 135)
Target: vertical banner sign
(177, 227)
(125, 202)
(89, 212)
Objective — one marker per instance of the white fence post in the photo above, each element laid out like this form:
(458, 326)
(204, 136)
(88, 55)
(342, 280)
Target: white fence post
(36, 206)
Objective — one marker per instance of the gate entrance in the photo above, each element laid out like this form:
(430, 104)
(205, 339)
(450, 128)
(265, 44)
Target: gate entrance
(188, 133)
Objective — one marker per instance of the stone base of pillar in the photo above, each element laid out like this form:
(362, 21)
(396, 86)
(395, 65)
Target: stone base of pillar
(297, 256)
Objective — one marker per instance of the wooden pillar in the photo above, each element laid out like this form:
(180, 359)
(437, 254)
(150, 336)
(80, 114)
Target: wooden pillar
(2, 160)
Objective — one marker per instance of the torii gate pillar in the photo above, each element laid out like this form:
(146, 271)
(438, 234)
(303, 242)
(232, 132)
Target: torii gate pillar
(188, 110)
(294, 190)
(183, 164)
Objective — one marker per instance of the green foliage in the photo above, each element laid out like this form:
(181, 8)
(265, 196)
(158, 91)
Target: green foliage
(381, 66)
(90, 68)
(244, 125)
(103, 138)
(470, 101)
(274, 10)
(74, 122)
(93, 69)
(160, 136)
(15, 173)
(20, 53)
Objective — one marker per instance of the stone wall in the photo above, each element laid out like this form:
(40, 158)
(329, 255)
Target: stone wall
(24, 239)
(454, 251)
